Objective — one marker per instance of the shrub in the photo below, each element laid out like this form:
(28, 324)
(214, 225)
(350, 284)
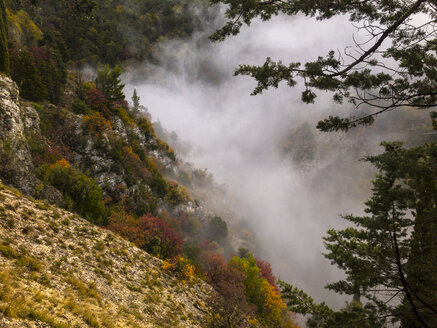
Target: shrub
(158, 184)
(52, 70)
(265, 271)
(25, 73)
(134, 166)
(260, 292)
(124, 116)
(41, 152)
(217, 229)
(146, 127)
(79, 107)
(181, 267)
(149, 233)
(231, 307)
(95, 99)
(97, 125)
(176, 193)
(86, 196)
(192, 251)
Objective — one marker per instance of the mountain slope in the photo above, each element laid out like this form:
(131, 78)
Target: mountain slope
(58, 270)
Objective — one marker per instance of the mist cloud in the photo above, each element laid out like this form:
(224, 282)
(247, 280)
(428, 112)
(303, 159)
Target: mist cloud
(239, 138)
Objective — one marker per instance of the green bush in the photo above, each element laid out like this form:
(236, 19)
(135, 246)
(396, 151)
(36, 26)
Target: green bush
(124, 116)
(159, 185)
(85, 194)
(217, 229)
(79, 107)
(25, 73)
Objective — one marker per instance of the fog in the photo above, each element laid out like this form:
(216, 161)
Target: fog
(239, 138)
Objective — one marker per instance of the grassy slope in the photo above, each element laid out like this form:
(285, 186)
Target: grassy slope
(57, 269)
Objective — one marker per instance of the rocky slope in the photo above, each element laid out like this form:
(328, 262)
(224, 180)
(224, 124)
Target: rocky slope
(105, 163)
(58, 270)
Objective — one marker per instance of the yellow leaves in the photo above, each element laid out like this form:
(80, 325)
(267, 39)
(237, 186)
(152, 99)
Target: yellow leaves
(253, 322)
(167, 265)
(176, 193)
(272, 301)
(97, 124)
(13, 20)
(150, 164)
(290, 324)
(181, 267)
(22, 28)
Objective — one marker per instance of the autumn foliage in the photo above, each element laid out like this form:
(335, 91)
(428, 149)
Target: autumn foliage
(265, 271)
(97, 125)
(259, 292)
(149, 233)
(181, 267)
(95, 99)
(231, 307)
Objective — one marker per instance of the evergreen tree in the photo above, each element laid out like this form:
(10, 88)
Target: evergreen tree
(381, 78)
(109, 83)
(4, 54)
(135, 101)
(390, 255)
(25, 73)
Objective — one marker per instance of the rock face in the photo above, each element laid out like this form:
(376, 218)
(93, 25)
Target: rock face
(58, 270)
(16, 124)
(11, 123)
(16, 160)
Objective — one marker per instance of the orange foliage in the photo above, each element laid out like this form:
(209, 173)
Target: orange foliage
(97, 124)
(180, 267)
(63, 162)
(273, 304)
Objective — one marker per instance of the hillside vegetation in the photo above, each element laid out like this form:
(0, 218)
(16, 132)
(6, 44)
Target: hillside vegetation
(72, 140)
(100, 158)
(58, 270)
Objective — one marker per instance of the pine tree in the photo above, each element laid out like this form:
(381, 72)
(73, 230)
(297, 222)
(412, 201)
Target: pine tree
(4, 54)
(108, 81)
(25, 73)
(371, 75)
(389, 255)
(135, 101)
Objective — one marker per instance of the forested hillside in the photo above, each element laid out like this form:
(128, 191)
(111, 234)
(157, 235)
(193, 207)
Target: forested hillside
(73, 140)
(104, 224)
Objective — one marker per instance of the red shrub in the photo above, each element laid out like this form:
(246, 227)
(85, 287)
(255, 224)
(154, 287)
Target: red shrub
(209, 245)
(96, 100)
(265, 271)
(39, 54)
(232, 306)
(148, 232)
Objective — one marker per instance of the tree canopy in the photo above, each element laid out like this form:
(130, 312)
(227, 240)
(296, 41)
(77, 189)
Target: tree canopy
(395, 67)
(108, 81)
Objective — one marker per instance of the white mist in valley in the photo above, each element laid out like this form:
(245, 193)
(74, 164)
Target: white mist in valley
(239, 138)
